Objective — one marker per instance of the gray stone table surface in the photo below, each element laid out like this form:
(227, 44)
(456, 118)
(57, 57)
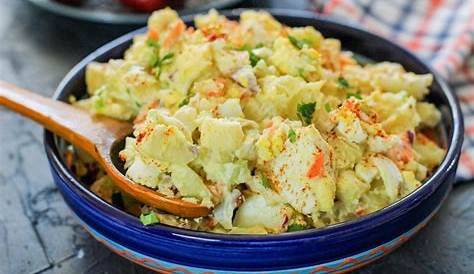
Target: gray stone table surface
(39, 234)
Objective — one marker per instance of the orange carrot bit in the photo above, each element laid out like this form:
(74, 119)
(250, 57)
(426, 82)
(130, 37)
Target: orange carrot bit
(360, 211)
(173, 35)
(214, 36)
(153, 34)
(220, 82)
(215, 93)
(345, 60)
(317, 167)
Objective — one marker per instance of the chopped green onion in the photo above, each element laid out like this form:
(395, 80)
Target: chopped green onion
(157, 62)
(99, 102)
(355, 95)
(327, 107)
(296, 227)
(301, 73)
(297, 42)
(154, 60)
(184, 102)
(265, 182)
(342, 82)
(149, 219)
(152, 43)
(292, 135)
(168, 56)
(305, 112)
(253, 58)
(246, 47)
(165, 59)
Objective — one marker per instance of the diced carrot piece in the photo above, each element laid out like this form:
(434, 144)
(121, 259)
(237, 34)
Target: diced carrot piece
(215, 93)
(221, 82)
(214, 36)
(317, 167)
(345, 60)
(153, 34)
(173, 35)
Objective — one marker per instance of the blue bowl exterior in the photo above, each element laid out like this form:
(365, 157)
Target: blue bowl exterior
(303, 251)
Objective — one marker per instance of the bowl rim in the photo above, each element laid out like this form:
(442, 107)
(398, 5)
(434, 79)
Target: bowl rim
(394, 210)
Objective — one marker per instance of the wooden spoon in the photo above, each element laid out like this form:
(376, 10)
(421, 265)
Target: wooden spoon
(98, 136)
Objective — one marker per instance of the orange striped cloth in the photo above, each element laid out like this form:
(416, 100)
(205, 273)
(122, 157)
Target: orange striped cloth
(439, 31)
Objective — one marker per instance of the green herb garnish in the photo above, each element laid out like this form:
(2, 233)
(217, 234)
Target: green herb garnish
(155, 56)
(99, 103)
(149, 219)
(157, 62)
(292, 135)
(296, 227)
(301, 73)
(167, 57)
(253, 58)
(342, 82)
(327, 107)
(152, 43)
(265, 182)
(355, 95)
(154, 60)
(246, 47)
(305, 112)
(184, 102)
(299, 43)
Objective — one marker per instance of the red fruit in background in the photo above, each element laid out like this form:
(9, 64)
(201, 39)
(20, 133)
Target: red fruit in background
(145, 5)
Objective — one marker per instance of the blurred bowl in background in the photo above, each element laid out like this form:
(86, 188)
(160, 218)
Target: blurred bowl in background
(115, 12)
(152, 5)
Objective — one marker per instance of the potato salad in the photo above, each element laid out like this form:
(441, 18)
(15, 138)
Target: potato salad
(274, 128)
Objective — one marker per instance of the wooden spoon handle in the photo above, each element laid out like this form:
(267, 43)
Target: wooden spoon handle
(74, 124)
(95, 135)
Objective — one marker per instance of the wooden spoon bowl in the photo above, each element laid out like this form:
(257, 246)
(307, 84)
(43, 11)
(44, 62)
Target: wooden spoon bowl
(97, 135)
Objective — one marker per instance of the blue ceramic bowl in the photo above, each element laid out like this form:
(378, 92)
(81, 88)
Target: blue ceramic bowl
(337, 248)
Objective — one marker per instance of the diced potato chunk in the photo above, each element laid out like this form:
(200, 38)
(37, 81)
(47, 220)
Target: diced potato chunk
(221, 134)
